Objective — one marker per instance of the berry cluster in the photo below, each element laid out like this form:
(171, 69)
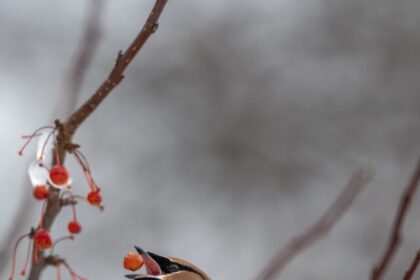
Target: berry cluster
(44, 179)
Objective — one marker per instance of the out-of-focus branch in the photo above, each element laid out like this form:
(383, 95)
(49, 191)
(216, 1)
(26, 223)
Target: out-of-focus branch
(359, 179)
(85, 52)
(410, 272)
(396, 231)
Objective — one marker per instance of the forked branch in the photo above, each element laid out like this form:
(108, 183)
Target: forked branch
(396, 231)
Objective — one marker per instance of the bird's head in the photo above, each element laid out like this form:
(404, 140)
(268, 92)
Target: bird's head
(167, 268)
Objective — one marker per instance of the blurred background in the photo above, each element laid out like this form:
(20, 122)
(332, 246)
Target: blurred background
(234, 129)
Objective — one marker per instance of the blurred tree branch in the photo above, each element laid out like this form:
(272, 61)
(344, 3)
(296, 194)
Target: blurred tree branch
(396, 231)
(410, 272)
(321, 227)
(85, 52)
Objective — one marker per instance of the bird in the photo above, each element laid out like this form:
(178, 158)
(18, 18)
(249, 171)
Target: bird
(167, 268)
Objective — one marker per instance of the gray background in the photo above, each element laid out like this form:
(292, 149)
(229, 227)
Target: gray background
(233, 130)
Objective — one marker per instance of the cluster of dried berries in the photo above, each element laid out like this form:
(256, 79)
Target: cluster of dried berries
(57, 176)
(43, 177)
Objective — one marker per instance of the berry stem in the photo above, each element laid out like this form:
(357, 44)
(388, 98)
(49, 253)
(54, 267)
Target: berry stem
(68, 237)
(73, 274)
(41, 157)
(57, 155)
(28, 255)
(44, 205)
(32, 136)
(86, 169)
(36, 257)
(12, 272)
(74, 212)
(58, 272)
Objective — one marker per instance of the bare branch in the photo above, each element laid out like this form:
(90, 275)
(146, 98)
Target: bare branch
(396, 232)
(410, 272)
(359, 179)
(116, 75)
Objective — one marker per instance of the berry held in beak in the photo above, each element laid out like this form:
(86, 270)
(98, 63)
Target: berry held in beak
(167, 268)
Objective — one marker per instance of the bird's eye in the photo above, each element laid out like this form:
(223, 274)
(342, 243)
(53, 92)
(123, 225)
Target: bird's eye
(173, 268)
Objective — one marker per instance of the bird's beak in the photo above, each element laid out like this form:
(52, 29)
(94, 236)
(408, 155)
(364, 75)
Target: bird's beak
(158, 268)
(152, 267)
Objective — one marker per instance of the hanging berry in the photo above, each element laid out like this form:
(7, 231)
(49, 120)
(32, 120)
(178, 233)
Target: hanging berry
(42, 239)
(133, 261)
(41, 192)
(74, 227)
(94, 197)
(59, 175)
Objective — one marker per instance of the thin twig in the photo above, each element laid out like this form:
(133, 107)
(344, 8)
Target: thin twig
(396, 231)
(116, 75)
(410, 272)
(359, 179)
(87, 48)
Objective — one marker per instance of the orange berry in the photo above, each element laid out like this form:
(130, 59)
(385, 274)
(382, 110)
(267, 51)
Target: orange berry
(133, 261)
(42, 239)
(59, 174)
(41, 192)
(94, 198)
(74, 227)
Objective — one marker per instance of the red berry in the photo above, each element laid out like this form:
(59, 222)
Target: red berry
(74, 227)
(59, 174)
(42, 239)
(133, 261)
(94, 198)
(41, 192)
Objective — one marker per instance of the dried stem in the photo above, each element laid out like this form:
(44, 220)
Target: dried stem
(67, 130)
(396, 232)
(359, 179)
